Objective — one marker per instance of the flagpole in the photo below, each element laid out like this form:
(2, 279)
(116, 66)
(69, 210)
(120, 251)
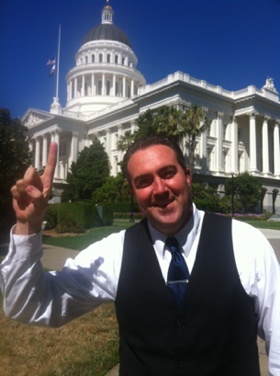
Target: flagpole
(58, 61)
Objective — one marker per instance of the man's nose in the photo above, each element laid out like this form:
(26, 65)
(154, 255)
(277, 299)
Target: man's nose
(159, 186)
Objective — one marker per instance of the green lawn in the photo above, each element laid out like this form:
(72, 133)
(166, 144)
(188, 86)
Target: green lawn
(80, 242)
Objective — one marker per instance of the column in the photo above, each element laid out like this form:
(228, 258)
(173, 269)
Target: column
(108, 143)
(219, 147)
(114, 85)
(265, 146)
(73, 148)
(132, 88)
(203, 151)
(93, 91)
(56, 139)
(124, 87)
(253, 143)
(37, 153)
(45, 150)
(234, 146)
(70, 90)
(120, 133)
(83, 86)
(103, 90)
(276, 141)
(75, 87)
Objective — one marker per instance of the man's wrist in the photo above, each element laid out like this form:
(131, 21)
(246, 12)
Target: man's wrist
(27, 228)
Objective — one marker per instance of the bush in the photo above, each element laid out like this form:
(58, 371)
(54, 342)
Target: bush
(51, 216)
(77, 217)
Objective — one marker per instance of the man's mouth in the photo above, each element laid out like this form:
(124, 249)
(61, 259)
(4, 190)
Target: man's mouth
(163, 205)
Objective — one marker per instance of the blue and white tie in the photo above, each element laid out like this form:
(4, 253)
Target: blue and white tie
(178, 273)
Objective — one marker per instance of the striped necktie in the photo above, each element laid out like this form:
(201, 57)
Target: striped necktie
(178, 273)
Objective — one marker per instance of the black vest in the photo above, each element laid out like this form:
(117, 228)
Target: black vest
(212, 333)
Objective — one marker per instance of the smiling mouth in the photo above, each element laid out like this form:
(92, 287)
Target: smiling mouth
(163, 205)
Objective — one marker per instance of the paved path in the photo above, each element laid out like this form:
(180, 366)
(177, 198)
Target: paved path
(54, 258)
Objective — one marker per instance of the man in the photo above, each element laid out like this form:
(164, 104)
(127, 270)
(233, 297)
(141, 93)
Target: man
(225, 275)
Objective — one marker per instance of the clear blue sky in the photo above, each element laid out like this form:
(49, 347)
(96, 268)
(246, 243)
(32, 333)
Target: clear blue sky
(231, 43)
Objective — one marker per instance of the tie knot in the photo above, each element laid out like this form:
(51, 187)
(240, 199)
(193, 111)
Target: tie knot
(172, 244)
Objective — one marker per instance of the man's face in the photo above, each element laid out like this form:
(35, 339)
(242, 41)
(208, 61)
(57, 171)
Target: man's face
(161, 188)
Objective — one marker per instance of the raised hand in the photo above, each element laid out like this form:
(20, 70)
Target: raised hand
(31, 195)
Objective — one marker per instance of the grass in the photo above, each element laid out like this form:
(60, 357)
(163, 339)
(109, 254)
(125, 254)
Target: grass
(88, 346)
(80, 242)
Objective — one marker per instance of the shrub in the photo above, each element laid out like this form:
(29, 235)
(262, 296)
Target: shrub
(51, 216)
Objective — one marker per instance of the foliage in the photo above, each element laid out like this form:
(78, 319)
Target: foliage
(15, 157)
(114, 189)
(51, 216)
(205, 197)
(194, 122)
(88, 173)
(77, 217)
(247, 192)
(170, 121)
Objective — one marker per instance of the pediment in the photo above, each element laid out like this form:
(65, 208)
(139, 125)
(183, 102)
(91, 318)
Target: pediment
(34, 117)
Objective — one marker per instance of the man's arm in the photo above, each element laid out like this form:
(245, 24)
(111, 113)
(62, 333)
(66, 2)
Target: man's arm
(31, 195)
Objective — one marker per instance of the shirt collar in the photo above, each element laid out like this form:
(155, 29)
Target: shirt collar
(185, 236)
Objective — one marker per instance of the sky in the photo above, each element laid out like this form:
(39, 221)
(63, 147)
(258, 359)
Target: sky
(230, 43)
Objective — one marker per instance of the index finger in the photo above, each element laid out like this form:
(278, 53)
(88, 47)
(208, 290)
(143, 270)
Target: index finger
(51, 163)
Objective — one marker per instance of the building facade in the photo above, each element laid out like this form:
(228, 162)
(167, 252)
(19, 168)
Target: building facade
(106, 94)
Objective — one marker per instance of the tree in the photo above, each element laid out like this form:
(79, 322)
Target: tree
(170, 121)
(193, 123)
(88, 173)
(246, 190)
(15, 157)
(114, 189)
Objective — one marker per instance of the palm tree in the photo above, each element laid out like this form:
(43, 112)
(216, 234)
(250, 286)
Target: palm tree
(170, 121)
(193, 123)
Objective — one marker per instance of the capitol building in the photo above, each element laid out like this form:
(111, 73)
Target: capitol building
(106, 94)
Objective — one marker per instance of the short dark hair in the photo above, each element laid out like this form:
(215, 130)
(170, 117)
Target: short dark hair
(146, 142)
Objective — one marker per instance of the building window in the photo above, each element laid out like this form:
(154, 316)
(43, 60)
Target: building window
(92, 58)
(100, 58)
(116, 59)
(99, 88)
(108, 87)
(108, 58)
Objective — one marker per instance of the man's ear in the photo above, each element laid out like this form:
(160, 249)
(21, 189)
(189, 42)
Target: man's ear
(188, 175)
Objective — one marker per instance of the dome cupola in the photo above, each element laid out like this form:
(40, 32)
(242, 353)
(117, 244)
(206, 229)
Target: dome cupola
(105, 72)
(107, 30)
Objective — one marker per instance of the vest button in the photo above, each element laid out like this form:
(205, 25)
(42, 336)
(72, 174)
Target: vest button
(179, 324)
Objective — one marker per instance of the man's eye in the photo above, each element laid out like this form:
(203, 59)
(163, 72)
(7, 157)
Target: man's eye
(143, 183)
(168, 174)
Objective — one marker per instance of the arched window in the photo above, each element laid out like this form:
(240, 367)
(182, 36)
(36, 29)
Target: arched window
(116, 59)
(100, 58)
(108, 58)
(92, 58)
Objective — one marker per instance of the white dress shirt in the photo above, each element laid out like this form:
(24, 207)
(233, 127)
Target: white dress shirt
(55, 298)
